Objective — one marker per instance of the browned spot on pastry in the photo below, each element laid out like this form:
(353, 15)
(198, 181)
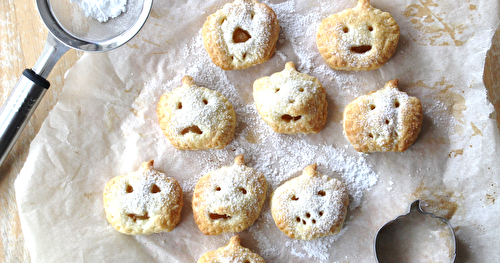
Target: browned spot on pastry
(322, 193)
(370, 28)
(372, 107)
(205, 101)
(241, 36)
(193, 129)
(129, 189)
(136, 217)
(294, 198)
(308, 215)
(179, 106)
(155, 189)
(345, 29)
(243, 190)
(320, 213)
(361, 49)
(289, 118)
(298, 219)
(215, 216)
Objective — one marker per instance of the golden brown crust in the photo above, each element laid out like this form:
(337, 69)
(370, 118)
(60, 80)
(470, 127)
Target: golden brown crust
(143, 202)
(233, 252)
(310, 206)
(196, 118)
(241, 34)
(360, 38)
(228, 199)
(385, 120)
(291, 102)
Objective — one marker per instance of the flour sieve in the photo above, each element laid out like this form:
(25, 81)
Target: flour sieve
(68, 28)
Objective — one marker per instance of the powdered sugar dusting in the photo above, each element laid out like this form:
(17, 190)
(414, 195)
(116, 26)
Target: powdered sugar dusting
(252, 18)
(279, 157)
(102, 10)
(192, 105)
(310, 206)
(233, 190)
(140, 200)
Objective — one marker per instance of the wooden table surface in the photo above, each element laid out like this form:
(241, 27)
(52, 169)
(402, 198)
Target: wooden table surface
(22, 38)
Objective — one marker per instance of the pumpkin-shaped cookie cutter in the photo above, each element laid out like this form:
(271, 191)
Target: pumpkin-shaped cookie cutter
(415, 211)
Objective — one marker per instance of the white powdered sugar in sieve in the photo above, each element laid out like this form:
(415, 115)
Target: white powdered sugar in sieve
(102, 10)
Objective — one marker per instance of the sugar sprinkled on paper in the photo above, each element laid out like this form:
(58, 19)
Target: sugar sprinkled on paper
(279, 157)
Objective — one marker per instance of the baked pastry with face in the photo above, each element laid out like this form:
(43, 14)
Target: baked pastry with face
(291, 102)
(241, 34)
(233, 252)
(384, 120)
(310, 206)
(229, 199)
(360, 38)
(143, 202)
(196, 118)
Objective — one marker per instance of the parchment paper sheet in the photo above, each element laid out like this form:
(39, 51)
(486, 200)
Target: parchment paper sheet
(105, 125)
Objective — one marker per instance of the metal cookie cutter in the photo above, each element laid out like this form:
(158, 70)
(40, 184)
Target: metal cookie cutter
(417, 236)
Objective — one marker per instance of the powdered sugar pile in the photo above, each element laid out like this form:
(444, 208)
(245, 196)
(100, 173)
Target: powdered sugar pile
(102, 10)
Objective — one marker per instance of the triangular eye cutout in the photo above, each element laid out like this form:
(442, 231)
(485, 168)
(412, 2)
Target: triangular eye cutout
(241, 36)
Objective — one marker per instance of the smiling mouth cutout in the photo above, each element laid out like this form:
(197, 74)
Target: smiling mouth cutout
(361, 49)
(216, 216)
(138, 217)
(289, 118)
(194, 129)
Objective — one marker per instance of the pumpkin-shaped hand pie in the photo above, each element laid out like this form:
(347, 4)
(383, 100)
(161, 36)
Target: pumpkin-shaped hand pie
(310, 206)
(233, 252)
(228, 199)
(196, 118)
(385, 120)
(143, 202)
(360, 38)
(241, 34)
(291, 102)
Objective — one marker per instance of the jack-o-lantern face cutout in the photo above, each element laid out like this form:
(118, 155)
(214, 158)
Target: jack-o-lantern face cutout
(310, 206)
(361, 38)
(196, 118)
(232, 252)
(240, 35)
(291, 102)
(385, 120)
(228, 199)
(143, 202)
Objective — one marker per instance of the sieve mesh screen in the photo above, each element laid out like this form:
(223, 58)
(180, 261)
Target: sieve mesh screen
(72, 19)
